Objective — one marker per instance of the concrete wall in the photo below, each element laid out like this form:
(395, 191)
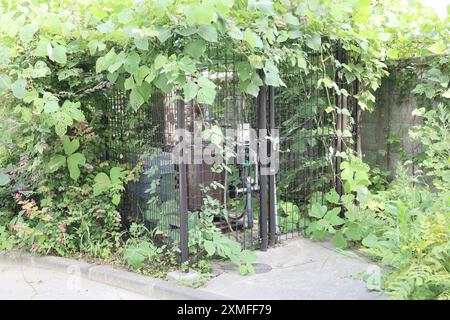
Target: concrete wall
(391, 118)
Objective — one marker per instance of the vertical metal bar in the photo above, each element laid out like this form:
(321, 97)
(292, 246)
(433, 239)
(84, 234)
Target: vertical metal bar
(183, 191)
(358, 124)
(262, 125)
(339, 126)
(272, 191)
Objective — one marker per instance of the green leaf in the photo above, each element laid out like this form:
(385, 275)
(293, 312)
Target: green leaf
(317, 211)
(162, 83)
(104, 62)
(70, 146)
(18, 88)
(370, 241)
(160, 61)
(106, 27)
(249, 79)
(61, 121)
(291, 19)
(42, 48)
(73, 162)
(4, 179)
(40, 70)
(141, 43)
(332, 196)
(135, 255)
(207, 92)
(164, 34)
(56, 162)
(187, 65)
(272, 74)
(339, 240)
(116, 174)
(119, 61)
(58, 54)
(102, 183)
(116, 199)
(73, 109)
(200, 14)
(206, 95)
(129, 83)
(136, 100)
(196, 48)
(209, 247)
(204, 82)
(244, 70)
(354, 232)
(314, 41)
(265, 6)
(301, 61)
(145, 90)
(94, 45)
(235, 33)
(190, 90)
(332, 217)
(208, 32)
(112, 77)
(250, 37)
(243, 270)
(131, 64)
(27, 32)
(125, 16)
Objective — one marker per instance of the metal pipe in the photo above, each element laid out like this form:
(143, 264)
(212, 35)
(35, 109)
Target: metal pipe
(248, 185)
(339, 126)
(184, 230)
(262, 125)
(272, 191)
(358, 120)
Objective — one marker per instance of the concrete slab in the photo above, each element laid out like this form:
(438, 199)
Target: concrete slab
(178, 275)
(301, 269)
(73, 274)
(19, 282)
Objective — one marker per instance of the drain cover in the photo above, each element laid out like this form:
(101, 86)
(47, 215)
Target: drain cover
(261, 267)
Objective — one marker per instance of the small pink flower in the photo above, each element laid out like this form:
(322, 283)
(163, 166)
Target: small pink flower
(18, 197)
(62, 240)
(35, 246)
(62, 227)
(17, 228)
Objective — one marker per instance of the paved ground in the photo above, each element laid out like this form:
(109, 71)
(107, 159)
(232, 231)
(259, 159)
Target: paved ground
(301, 269)
(21, 282)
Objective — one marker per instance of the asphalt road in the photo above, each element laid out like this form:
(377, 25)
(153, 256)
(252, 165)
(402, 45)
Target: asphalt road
(19, 282)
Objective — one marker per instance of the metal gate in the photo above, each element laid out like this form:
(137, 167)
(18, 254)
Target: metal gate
(167, 197)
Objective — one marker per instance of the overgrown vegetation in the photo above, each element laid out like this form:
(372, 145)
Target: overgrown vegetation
(60, 195)
(406, 225)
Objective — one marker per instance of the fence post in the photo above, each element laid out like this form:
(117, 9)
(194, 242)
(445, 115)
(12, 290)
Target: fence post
(184, 230)
(357, 118)
(272, 190)
(262, 125)
(341, 103)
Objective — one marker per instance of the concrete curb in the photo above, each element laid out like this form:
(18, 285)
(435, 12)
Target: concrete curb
(151, 287)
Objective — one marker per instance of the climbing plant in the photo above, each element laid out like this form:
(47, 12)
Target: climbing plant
(57, 57)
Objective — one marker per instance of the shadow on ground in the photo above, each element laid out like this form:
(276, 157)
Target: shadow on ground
(301, 269)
